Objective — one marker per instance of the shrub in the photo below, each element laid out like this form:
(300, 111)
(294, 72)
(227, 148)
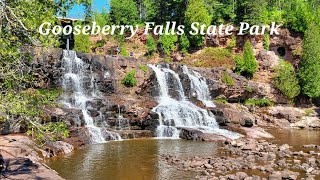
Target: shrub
(266, 42)
(151, 45)
(258, 102)
(286, 79)
(184, 44)
(227, 79)
(129, 80)
(144, 68)
(82, 43)
(232, 43)
(167, 43)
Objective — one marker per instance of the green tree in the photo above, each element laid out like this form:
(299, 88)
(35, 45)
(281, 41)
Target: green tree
(286, 80)
(196, 12)
(253, 12)
(151, 45)
(246, 65)
(250, 63)
(168, 43)
(123, 12)
(310, 64)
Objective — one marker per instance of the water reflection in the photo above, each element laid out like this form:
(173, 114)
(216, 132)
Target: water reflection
(132, 159)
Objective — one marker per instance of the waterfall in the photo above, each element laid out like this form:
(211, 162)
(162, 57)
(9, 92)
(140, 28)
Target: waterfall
(176, 113)
(199, 86)
(77, 93)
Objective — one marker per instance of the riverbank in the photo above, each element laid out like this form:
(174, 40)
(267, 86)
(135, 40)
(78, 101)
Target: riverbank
(289, 155)
(23, 160)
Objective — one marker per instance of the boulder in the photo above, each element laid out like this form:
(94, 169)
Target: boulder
(307, 122)
(267, 60)
(197, 135)
(292, 114)
(246, 122)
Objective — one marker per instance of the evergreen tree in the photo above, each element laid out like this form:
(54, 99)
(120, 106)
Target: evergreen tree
(196, 12)
(309, 72)
(246, 65)
(253, 12)
(123, 12)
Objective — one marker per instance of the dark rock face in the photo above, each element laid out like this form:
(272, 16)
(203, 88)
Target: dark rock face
(197, 135)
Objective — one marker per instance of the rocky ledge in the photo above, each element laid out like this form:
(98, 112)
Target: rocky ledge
(249, 159)
(20, 158)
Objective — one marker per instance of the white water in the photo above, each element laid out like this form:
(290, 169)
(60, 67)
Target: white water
(76, 95)
(175, 114)
(199, 86)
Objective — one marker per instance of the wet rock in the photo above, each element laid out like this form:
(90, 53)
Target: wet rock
(307, 122)
(290, 113)
(246, 122)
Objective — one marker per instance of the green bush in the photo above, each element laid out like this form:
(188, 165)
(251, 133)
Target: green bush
(286, 79)
(82, 43)
(167, 43)
(184, 44)
(129, 80)
(266, 42)
(144, 68)
(227, 79)
(151, 45)
(232, 43)
(246, 65)
(258, 102)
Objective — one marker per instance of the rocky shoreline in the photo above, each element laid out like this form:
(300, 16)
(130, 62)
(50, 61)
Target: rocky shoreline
(22, 159)
(250, 159)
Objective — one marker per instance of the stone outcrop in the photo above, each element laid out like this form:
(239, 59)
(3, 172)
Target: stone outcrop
(22, 160)
(197, 135)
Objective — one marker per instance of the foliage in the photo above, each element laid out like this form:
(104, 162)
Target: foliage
(266, 42)
(144, 68)
(184, 44)
(249, 89)
(246, 65)
(310, 64)
(258, 102)
(196, 12)
(102, 18)
(227, 79)
(224, 101)
(123, 12)
(167, 43)
(123, 50)
(151, 45)
(286, 80)
(232, 43)
(211, 57)
(82, 43)
(52, 131)
(129, 80)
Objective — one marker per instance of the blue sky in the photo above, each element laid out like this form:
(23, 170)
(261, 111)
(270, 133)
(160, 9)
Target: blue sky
(97, 5)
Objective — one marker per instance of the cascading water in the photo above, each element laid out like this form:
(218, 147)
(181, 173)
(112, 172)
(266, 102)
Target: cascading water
(199, 86)
(77, 95)
(181, 113)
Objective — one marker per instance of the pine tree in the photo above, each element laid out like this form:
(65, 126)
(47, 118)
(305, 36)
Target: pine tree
(196, 12)
(309, 72)
(123, 12)
(249, 61)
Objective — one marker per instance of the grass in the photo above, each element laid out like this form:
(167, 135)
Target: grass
(224, 101)
(227, 79)
(258, 102)
(211, 57)
(144, 68)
